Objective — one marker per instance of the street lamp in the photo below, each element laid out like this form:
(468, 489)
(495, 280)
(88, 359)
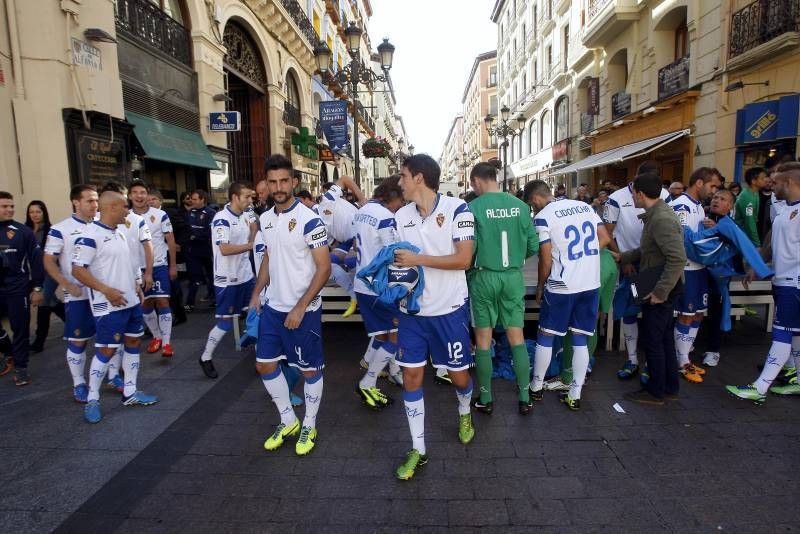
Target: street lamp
(506, 131)
(354, 73)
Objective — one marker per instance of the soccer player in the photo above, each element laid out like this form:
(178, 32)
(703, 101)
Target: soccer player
(748, 204)
(622, 223)
(692, 305)
(571, 236)
(79, 323)
(783, 249)
(504, 238)
(375, 228)
(102, 262)
(295, 267)
(442, 228)
(157, 313)
(232, 238)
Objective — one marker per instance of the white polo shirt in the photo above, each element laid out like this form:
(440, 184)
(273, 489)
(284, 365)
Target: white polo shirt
(691, 214)
(786, 246)
(158, 224)
(620, 211)
(61, 243)
(228, 227)
(375, 228)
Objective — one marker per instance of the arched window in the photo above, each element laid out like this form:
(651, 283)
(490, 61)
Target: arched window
(545, 136)
(532, 137)
(292, 93)
(562, 118)
(519, 143)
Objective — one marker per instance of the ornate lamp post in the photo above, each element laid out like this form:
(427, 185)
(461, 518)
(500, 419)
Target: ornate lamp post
(354, 73)
(505, 131)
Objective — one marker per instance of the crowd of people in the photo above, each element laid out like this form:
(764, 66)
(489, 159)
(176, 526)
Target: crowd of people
(435, 278)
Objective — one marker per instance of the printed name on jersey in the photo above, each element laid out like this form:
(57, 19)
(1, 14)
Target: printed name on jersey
(501, 213)
(292, 224)
(572, 211)
(466, 224)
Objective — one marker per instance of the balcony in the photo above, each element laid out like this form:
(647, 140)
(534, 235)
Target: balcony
(521, 5)
(291, 115)
(607, 19)
(546, 22)
(763, 29)
(286, 21)
(143, 21)
(531, 40)
(332, 9)
(369, 122)
(578, 54)
(559, 73)
(521, 56)
(301, 20)
(587, 123)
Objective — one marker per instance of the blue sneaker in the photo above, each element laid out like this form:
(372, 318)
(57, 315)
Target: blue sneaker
(296, 400)
(644, 377)
(139, 398)
(628, 370)
(117, 383)
(81, 393)
(91, 412)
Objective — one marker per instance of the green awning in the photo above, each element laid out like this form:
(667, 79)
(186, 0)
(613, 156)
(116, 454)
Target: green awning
(166, 142)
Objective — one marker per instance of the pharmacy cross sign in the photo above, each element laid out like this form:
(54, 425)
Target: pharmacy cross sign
(306, 144)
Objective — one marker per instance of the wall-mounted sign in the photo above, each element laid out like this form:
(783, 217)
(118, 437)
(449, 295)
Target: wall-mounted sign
(674, 78)
(225, 121)
(561, 150)
(86, 55)
(325, 153)
(100, 160)
(305, 144)
(766, 121)
(593, 90)
(620, 105)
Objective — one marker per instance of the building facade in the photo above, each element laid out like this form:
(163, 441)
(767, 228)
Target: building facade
(127, 89)
(480, 100)
(453, 163)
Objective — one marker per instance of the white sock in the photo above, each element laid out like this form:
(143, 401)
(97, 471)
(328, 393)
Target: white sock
(97, 372)
(214, 337)
(371, 350)
(130, 366)
(441, 371)
(115, 363)
(151, 320)
(580, 363)
(313, 393)
(540, 364)
(165, 325)
(464, 397)
(77, 364)
(796, 351)
(631, 334)
(415, 413)
(278, 389)
(778, 354)
(394, 369)
(380, 358)
(342, 278)
(683, 343)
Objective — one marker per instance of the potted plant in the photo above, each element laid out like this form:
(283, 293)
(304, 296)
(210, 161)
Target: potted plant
(376, 147)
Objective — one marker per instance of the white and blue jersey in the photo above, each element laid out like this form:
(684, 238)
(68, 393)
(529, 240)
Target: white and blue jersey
(337, 214)
(158, 224)
(621, 212)
(136, 232)
(786, 262)
(375, 228)
(289, 237)
(691, 214)
(232, 228)
(694, 298)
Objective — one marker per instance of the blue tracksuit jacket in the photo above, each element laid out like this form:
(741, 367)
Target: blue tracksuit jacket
(375, 275)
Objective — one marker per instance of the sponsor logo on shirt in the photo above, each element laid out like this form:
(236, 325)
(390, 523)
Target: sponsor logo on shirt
(268, 226)
(327, 212)
(440, 219)
(465, 224)
(292, 224)
(318, 235)
(409, 224)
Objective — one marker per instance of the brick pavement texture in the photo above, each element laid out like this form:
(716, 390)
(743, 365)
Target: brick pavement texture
(195, 462)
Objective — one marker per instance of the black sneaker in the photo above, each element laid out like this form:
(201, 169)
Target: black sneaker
(536, 395)
(21, 377)
(188, 308)
(643, 397)
(525, 407)
(208, 368)
(486, 408)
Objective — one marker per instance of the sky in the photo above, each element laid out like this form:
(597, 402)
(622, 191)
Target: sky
(436, 44)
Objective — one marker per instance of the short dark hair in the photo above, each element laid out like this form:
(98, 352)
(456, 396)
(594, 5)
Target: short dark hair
(236, 189)
(327, 185)
(304, 193)
(389, 189)
(702, 173)
(77, 191)
(278, 161)
(537, 187)
(484, 171)
(113, 186)
(649, 166)
(202, 193)
(5, 195)
(470, 196)
(649, 184)
(139, 183)
(156, 193)
(426, 166)
(789, 170)
(752, 173)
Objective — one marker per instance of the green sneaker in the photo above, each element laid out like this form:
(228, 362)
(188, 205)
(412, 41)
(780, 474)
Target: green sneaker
(407, 469)
(747, 392)
(465, 429)
(786, 376)
(373, 397)
(281, 431)
(792, 388)
(569, 402)
(305, 443)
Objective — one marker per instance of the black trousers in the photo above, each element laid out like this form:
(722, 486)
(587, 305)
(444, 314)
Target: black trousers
(16, 307)
(711, 323)
(43, 320)
(659, 345)
(201, 271)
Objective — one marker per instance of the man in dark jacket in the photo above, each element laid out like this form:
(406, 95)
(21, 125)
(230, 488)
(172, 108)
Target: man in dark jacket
(199, 257)
(180, 231)
(661, 248)
(21, 278)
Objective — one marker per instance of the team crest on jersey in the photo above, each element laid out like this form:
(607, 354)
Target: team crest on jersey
(127, 223)
(327, 212)
(10, 234)
(292, 224)
(793, 215)
(77, 332)
(152, 218)
(440, 219)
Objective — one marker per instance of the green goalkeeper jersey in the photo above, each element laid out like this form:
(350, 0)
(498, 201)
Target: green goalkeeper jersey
(504, 232)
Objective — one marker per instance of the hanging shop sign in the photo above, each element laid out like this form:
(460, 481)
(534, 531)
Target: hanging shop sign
(620, 105)
(674, 78)
(593, 89)
(766, 121)
(333, 118)
(225, 121)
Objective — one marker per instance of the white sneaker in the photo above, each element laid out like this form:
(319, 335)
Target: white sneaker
(555, 384)
(711, 359)
(396, 379)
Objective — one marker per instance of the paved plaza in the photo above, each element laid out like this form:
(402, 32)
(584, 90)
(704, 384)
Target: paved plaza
(195, 461)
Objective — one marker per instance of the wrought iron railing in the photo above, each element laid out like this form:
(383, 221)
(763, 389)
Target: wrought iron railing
(301, 19)
(595, 6)
(761, 22)
(318, 129)
(291, 115)
(146, 22)
(587, 123)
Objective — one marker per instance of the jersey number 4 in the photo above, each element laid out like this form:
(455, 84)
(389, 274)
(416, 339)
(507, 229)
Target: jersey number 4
(587, 234)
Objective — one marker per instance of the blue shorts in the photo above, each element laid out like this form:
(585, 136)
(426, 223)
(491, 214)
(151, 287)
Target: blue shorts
(233, 300)
(379, 318)
(161, 283)
(787, 309)
(444, 337)
(116, 325)
(301, 347)
(695, 293)
(79, 321)
(569, 311)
